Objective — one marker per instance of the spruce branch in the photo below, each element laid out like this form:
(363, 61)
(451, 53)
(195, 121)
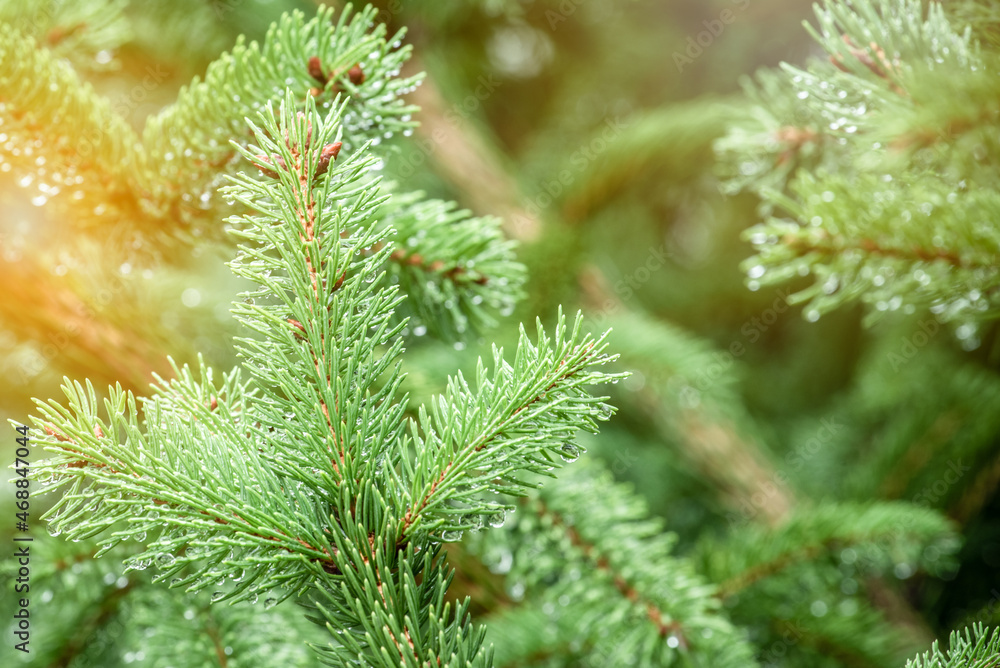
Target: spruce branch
(77, 134)
(974, 647)
(457, 270)
(301, 476)
(754, 553)
(863, 166)
(324, 310)
(191, 631)
(587, 549)
(835, 557)
(189, 142)
(938, 255)
(167, 179)
(85, 33)
(481, 439)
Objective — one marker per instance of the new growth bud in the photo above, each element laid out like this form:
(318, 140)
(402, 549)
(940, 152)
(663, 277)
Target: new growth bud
(328, 153)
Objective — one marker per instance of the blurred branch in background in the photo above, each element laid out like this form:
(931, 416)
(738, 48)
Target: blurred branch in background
(778, 467)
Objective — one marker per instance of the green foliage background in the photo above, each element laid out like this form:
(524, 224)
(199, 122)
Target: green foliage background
(612, 144)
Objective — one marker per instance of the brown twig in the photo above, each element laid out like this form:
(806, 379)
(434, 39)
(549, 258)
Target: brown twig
(591, 552)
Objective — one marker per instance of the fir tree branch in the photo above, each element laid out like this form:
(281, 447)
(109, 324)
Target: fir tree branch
(886, 255)
(623, 586)
(85, 33)
(457, 271)
(105, 609)
(301, 475)
(754, 553)
(320, 303)
(203, 489)
(588, 546)
(854, 150)
(974, 647)
(165, 183)
(77, 133)
(515, 421)
(189, 143)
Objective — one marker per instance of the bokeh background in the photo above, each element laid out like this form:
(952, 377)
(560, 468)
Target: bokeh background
(589, 126)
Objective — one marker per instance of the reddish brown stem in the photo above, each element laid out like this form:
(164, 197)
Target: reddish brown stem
(590, 551)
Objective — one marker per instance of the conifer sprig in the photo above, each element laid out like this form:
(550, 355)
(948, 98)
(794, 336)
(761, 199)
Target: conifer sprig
(873, 167)
(350, 56)
(884, 534)
(588, 552)
(85, 33)
(974, 647)
(302, 475)
(163, 184)
(458, 270)
(481, 439)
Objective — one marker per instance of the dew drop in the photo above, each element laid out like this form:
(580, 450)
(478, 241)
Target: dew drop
(569, 452)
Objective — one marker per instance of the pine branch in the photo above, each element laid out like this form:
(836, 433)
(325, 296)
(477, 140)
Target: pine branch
(976, 647)
(938, 256)
(324, 312)
(165, 183)
(516, 421)
(457, 271)
(586, 549)
(301, 476)
(85, 33)
(76, 132)
(189, 143)
(218, 635)
(863, 164)
(753, 553)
